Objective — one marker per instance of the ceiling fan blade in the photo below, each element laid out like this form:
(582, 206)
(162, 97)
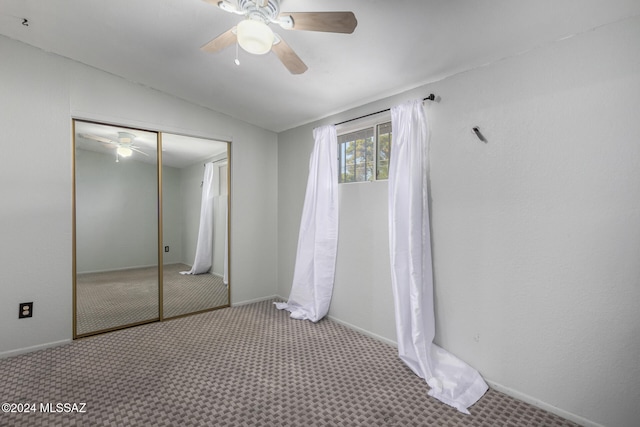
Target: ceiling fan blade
(138, 151)
(330, 22)
(98, 138)
(224, 40)
(289, 58)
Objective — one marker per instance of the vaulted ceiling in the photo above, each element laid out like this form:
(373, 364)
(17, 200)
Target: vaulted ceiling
(397, 45)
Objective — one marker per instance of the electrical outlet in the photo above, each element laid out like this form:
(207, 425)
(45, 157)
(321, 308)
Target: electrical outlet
(166, 248)
(25, 310)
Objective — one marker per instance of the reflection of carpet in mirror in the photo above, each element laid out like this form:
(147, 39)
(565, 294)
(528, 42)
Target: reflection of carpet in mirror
(115, 298)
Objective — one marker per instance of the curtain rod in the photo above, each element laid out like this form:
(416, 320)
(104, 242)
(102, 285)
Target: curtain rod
(431, 97)
(216, 161)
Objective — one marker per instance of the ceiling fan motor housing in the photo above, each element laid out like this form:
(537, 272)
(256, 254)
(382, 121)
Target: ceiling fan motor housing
(269, 12)
(125, 137)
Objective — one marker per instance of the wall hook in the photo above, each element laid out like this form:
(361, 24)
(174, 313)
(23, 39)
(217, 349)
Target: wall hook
(25, 22)
(479, 134)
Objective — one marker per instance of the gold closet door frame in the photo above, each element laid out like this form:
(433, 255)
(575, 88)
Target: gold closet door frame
(160, 251)
(160, 235)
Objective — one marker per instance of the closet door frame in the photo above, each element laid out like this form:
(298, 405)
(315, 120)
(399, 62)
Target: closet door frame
(160, 238)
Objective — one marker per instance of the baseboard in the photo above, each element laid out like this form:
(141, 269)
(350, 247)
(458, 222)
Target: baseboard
(251, 301)
(18, 351)
(364, 332)
(113, 270)
(542, 405)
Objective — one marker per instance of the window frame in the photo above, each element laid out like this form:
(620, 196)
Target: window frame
(373, 123)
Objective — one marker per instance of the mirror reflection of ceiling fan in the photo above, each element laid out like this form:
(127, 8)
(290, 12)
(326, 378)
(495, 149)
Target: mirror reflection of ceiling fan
(124, 144)
(254, 35)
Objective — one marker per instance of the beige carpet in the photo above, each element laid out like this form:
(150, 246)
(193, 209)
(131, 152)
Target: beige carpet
(116, 298)
(242, 366)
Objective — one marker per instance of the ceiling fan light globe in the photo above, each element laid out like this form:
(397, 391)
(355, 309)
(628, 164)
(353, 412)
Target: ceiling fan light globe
(124, 151)
(254, 36)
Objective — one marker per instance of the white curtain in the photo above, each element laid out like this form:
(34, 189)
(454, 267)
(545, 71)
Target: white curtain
(204, 246)
(450, 380)
(314, 270)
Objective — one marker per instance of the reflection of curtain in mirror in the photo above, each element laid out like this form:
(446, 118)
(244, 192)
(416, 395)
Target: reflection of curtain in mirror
(204, 245)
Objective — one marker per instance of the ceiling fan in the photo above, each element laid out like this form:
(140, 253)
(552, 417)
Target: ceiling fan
(254, 35)
(124, 144)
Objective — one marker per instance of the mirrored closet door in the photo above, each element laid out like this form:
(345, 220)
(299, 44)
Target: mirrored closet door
(116, 227)
(195, 206)
(150, 242)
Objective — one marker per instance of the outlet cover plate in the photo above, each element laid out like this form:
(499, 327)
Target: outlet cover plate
(25, 310)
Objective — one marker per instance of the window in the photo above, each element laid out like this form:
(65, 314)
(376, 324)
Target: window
(363, 155)
(384, 150)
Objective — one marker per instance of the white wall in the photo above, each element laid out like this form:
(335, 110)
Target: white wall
(116, 213)
(536, 234)
(172, 207)
(40, 93)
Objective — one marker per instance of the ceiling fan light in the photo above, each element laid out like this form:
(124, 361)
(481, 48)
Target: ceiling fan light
(124, 151)
(254, 36)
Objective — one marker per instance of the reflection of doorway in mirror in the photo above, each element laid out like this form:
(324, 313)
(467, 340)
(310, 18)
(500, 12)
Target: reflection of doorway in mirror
(182, 210)
(220, 225)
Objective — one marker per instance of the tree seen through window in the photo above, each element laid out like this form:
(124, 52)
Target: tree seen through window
(364, 154)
